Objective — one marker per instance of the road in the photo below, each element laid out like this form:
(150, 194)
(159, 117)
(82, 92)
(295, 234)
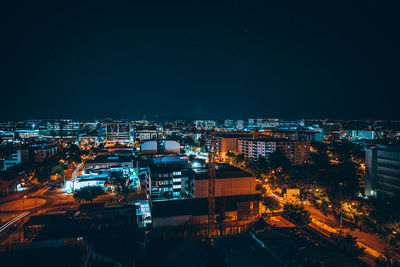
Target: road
(55, 200)
(373, 244)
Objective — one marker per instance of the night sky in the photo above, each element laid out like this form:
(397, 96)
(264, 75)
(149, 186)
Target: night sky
(199, 59)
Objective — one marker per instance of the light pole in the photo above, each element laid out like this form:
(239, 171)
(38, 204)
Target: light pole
(23, 202)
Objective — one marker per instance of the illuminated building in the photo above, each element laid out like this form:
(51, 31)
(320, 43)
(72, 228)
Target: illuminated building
(166, 180)
(144, 135)
(39, 153)
(58, 128)
(109, 161)
(382, 173)
(255, 148)
(227, 143)
(298, 152)
(93, 179)
(12, 160)
(118, 133)
(27, 133)
(85, 141)
(240, 124)
(229, 123)
(160, 147)
(205, 124)
(361, 135)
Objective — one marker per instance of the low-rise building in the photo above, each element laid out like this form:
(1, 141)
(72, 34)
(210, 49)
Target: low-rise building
(229, 181)
(194, 212)
(39, 153)
(10, 161)
(109, 161)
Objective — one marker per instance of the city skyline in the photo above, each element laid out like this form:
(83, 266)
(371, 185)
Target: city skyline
(200, 133)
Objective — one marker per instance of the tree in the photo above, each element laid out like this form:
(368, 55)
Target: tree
(348, 243)
(202, 144)
(239, 159)
(279, 160)
(320, 160)
(350, 174)
(382, 261)
(124, 186)
(57, 169)
(297, 213)
(73, 153)
(88, 193)
(174, 137)
(188, 141)
(271, 203)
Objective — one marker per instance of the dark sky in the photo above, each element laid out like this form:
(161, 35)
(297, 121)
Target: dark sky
(217, 59)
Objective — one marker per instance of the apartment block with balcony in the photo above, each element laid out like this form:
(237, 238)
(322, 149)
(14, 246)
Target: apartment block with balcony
(256, 148)
(298, 152)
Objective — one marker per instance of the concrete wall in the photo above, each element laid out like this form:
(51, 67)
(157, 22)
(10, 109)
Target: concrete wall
(226, 187)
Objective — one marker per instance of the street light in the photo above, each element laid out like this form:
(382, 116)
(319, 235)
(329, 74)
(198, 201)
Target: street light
(23, 202)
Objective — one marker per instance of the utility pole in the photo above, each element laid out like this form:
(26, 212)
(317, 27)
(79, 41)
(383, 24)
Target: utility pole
(211, 185)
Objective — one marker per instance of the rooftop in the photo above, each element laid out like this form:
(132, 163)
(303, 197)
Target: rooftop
(197, 206)
(105, 159)
(222, 172)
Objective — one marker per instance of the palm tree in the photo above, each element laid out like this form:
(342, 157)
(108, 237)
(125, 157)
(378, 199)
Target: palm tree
(88, 193)
(124, 187)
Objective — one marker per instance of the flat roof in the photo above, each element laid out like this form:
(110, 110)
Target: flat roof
(197, 206)
(221, 173)
(107, 158)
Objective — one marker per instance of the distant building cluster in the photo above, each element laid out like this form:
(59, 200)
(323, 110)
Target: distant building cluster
(30, 143)
(167, 168)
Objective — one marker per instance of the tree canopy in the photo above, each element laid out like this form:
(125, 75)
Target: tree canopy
(88, 193)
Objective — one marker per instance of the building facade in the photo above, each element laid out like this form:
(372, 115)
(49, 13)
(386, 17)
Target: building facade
(118, 133)
(382, 172)
(298, 152)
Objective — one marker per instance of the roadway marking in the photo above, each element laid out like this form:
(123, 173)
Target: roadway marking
(10, 222)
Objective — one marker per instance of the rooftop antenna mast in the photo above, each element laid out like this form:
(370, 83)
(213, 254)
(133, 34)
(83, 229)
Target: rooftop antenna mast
(211, 185)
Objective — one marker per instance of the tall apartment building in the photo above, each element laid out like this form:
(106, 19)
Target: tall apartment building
(255, 148)
(382, 173)
(298, 152)
(227, 143)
